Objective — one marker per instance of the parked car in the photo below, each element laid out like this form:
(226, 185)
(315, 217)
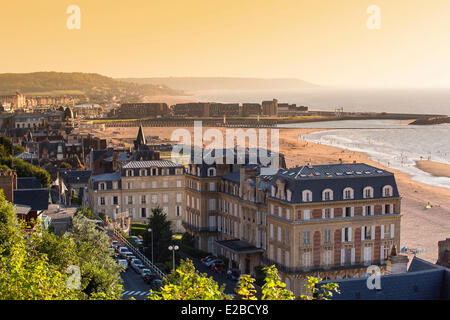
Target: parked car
(157, 284)
(130, 256)
(123, 263)
(210, 262)
(115, 244)
(218, 267)
(137, 265)
(145, 272)
(233, 274)
(123, 252)
(149, 277)
(204, 259)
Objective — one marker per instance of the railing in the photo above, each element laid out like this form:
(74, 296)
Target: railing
(321, 268)
(198, 229)
(116, 234)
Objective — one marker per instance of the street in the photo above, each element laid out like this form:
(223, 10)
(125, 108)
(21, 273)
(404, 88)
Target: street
(134, 286)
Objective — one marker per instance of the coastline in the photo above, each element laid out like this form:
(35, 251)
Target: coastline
(420, 228)
(436, 169)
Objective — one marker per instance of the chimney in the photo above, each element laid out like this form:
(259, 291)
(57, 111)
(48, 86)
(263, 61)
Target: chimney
(8, 183)
(241, 180)
(396, 264)
(444, 253)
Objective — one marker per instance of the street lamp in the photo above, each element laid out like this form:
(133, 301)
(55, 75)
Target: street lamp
(173, 249)
(151, 231)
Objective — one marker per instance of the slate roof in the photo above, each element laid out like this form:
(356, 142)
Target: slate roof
(419, 283)
(75, 176)
(37, 199)
(238, 245)
(152, 163)
(28, 183)
(336, 177)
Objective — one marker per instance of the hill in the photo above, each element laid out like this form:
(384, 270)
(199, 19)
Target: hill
(97, 87)
(215, 83)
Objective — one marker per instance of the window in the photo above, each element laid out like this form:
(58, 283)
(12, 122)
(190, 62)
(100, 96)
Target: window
(327, 236)
(306, 237)
(211, 172)
(143, 199)
(154, 198)
(387, 209)
(212, 204)
(212, 186)
(165, 198)
(348, 193)
(288, 195)
(327, 257)
(130, 199)
(143, 212)
(279, 234)
(142, 172)
(306, 214)
(115, 200)
(129, 173)
(367, 255)
(368, 211)
(307, 259)
(306, 196)
(115, 185)
(347, 234)
(165, 184)
(102, 201)
(102, 186)
(178, 211)
(273, 191)
(178, 183)
(327, 195)
(348, 211)
(154, 171)
(179, 195)
(327, 213)
(366, 233)
(387, 191)
(368, 192)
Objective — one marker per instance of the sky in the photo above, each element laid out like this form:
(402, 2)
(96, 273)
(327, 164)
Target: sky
(326, 42)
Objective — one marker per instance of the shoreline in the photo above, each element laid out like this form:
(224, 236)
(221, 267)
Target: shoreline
(434, 168)
(420, 228)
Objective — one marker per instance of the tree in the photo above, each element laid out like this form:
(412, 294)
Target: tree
(88, 213)
(162, 236)
(186, 283)
(10, 232)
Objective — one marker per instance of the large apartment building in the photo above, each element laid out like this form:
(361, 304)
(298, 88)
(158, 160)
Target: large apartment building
(139, 186)
(330, 221)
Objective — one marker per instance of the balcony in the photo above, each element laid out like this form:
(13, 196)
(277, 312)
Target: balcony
(191, 227)
(321, 268)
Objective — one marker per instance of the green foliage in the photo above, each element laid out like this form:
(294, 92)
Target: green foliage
(34, 265)
(187, 239)
(186, 283)
(162, 236)
(25, 276)
(274, 288)
(324, 292)
(246, 289)
(23, 168)
(88, 213)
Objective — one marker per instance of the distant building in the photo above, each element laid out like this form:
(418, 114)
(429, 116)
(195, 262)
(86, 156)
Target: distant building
(444, 253)
(143, 110)
(270, 108)
(15, 101)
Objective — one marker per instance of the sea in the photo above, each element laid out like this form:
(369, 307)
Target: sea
(392, 143)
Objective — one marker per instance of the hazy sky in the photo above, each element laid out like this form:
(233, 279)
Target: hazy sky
(322, 41)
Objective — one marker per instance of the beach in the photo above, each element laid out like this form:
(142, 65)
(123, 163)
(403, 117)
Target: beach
(420, 228)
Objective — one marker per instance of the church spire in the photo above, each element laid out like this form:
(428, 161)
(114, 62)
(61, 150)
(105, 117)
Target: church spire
(141, 137)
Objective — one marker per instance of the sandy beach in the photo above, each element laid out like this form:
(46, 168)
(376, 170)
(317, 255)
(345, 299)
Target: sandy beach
(435, 168)
(420, 228)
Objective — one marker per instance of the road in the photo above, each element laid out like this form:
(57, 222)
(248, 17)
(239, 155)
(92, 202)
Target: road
(134, 286)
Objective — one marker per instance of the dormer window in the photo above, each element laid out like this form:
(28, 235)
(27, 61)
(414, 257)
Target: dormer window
(211, 172)
(154, 171)
(102, 186)
(273, 191)
(348, 194)
(387, 191)
(129, 173)
(327, 195)
(289, 195)
(143, 172)
(198, 171)
(368, 192)
(307, 196)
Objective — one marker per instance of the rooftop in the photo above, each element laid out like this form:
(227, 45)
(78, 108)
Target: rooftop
(150, 164)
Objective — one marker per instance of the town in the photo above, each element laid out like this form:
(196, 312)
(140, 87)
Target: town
(330, 221)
